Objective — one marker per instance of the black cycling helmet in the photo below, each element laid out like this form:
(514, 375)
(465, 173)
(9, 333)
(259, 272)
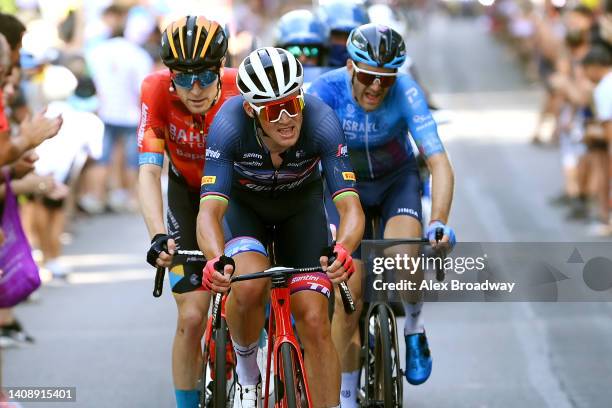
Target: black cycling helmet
(192, 44)
(377, 45)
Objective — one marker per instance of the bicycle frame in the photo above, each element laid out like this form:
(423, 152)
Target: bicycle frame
(208, 350)
(280, 331)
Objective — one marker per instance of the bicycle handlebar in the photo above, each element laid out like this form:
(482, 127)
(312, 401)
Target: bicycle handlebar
(268, 273)
(440, 272)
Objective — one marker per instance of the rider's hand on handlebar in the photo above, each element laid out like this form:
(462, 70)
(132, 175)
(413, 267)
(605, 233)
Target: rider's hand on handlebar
(162, 251)
(448, 240)
(342, 268)
(213, 279)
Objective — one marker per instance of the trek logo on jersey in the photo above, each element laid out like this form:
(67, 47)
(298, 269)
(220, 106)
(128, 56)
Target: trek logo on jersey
(342, 150)
(214, 154)
(209, 180)
(348, 175)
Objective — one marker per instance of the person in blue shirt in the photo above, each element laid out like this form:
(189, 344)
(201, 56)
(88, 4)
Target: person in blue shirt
(378, 107)
(306, 36)
(341, 16)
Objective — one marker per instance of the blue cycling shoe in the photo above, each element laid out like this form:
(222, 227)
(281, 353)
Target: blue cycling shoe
(418, 358)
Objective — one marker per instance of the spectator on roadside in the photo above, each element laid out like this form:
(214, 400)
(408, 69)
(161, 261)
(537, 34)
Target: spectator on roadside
(74, 147)
(32, 131)
(118, 67)
(574, 91)
(549, 33)
(598, 68)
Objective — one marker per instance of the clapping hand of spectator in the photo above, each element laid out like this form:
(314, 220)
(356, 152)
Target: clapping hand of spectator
(58, 192)
(34, 184)
(39, 128)
(24, 165)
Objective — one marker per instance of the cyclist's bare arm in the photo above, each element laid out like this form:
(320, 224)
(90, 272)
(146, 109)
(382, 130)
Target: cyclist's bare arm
(443, 184)
(150, 197)
(209, 229)
(352, 221)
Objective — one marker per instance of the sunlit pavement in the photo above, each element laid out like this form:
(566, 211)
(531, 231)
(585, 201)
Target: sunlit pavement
(105, 334)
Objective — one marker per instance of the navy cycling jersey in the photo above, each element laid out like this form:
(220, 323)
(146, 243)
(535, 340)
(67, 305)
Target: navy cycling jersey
(377, 140)
(237, 157)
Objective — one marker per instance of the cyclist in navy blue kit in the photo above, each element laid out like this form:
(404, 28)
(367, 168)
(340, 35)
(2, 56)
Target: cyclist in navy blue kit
(262, 171)
(378, 107)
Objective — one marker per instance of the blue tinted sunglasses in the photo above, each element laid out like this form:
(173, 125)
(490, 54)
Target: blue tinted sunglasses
(185, 80)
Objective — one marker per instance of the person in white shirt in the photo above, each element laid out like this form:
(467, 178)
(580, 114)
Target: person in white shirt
(118, 67)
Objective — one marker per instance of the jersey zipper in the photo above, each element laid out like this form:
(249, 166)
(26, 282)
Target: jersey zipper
(367, 145)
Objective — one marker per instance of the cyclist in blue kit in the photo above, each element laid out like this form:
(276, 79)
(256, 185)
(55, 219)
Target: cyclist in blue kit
(261, 172)
(378, 107)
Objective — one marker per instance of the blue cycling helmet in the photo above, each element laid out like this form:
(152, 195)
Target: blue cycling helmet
(377, 45)
(301, 27)
(343, 15)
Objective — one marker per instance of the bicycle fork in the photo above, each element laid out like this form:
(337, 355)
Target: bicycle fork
(280, 331)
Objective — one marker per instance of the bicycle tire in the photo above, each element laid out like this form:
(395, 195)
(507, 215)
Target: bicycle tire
(294, 384)
(220, 387)
(383, 383)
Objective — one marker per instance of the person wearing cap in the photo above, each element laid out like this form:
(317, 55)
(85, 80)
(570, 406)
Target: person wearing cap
(262, 174)
(177, 108)
(378, 107)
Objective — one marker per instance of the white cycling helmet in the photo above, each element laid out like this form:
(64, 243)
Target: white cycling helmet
(268, 74)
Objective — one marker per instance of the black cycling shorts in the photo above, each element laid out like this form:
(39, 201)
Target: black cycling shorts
(183, 206)
(294, 222)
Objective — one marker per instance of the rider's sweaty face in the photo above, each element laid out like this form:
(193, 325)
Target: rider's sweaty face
(282, 134)
(198, 100)
(369, 97)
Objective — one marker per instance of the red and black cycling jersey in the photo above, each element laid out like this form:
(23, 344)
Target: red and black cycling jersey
(167, 125)
(236, 157)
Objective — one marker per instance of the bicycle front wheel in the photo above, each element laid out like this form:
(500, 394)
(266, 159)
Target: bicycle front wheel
(380, 372)
(220, 381)
(294, 382)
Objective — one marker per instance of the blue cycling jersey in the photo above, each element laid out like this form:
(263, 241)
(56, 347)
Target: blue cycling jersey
(377, 140)
(236, 157)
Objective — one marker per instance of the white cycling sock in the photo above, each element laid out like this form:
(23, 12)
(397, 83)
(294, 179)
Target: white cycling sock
(414, 318)
(348, 389)
(246, 363)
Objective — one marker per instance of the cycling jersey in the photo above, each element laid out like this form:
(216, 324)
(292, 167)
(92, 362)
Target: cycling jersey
(237, 157)
(377, 140)
(167, 125)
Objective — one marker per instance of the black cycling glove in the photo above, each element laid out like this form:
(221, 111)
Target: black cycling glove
(159, 244)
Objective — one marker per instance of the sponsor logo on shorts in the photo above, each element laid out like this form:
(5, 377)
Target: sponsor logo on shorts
(209, 179)
(348, 175)
(407, 211)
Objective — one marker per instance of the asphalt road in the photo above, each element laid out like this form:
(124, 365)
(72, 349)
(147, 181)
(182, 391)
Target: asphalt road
(107, 336)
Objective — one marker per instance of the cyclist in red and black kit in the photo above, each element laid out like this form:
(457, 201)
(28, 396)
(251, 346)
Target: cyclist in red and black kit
(178, 106)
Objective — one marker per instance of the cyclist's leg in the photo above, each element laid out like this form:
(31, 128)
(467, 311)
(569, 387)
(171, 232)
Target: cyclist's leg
(402, 219)
(191, 300)
(245, 307)
(299, 243)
